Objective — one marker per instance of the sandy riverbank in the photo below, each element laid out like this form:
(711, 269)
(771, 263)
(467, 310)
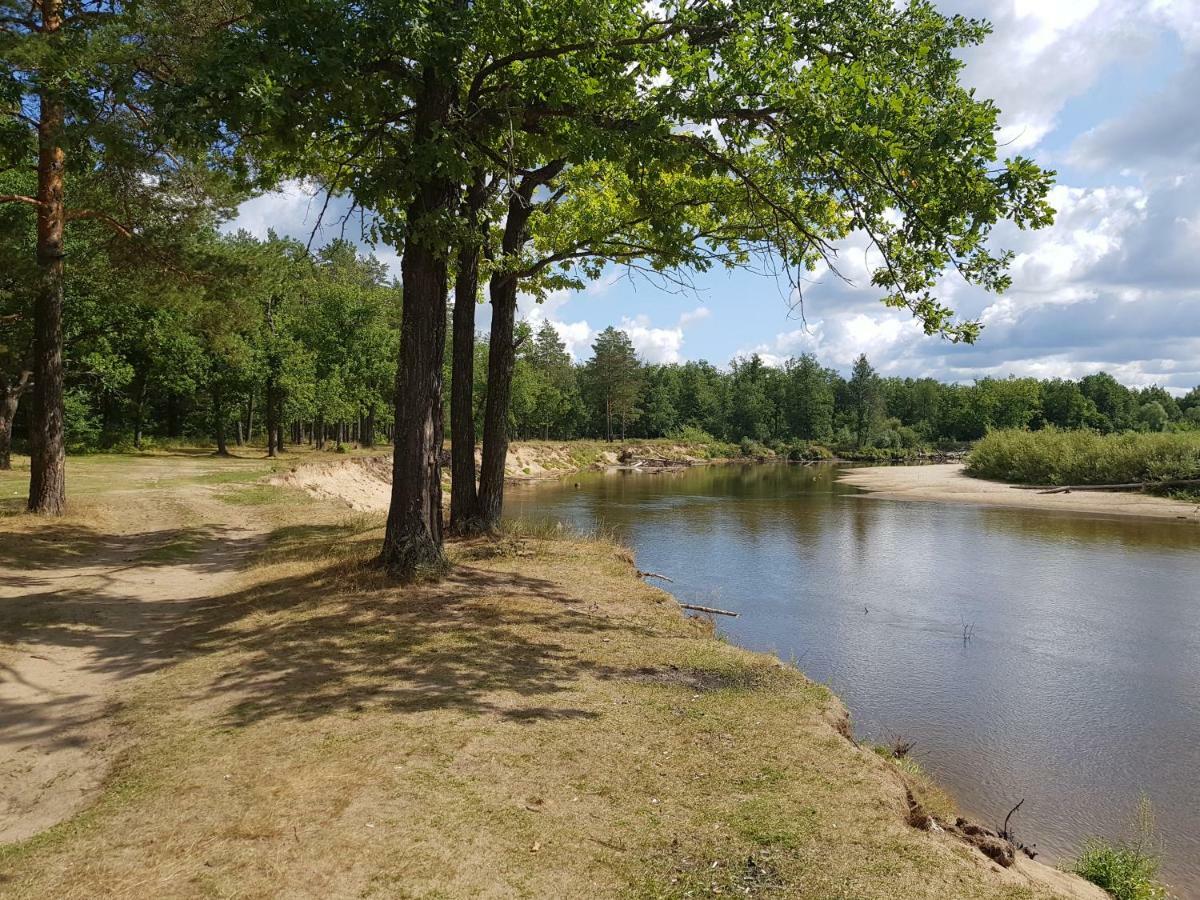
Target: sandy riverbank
(948, 483)
(538, 722)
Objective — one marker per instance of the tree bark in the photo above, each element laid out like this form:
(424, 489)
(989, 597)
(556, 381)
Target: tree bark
(10, 396)
(272, 415)
(413, 538)
(464, 494)
(47, 438)
(218, 400)
(502, 350)
(368, 429)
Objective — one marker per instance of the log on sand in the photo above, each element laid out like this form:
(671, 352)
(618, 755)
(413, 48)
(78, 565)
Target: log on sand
(1129, 486)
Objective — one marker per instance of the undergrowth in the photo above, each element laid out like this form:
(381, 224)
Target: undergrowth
(1055, 457)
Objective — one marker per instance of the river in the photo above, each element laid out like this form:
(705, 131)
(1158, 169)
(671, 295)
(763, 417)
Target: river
(1077, 689)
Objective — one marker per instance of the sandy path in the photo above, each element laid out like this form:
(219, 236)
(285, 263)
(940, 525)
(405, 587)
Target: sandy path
(83, 614)
(947, 483)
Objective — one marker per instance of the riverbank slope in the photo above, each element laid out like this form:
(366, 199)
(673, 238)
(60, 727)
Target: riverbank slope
(539, 723)
(948, 483)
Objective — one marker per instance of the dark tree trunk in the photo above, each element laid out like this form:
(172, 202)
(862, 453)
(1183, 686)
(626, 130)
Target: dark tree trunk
(10, 396)
(464, 494)
(368, 429)
(250, 417)
(413, 539)
(174, 417)
(502, 350)
(501, 359)
(47, 439)
(218, 400)
(272, 414)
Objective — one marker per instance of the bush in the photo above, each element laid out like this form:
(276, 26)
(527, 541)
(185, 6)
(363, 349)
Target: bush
(1127, 871)
(1052, 456)
(805, 452)
(756, 449)
(690, 434)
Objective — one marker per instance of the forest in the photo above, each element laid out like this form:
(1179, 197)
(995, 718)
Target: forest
(264, 337)
(500, 150)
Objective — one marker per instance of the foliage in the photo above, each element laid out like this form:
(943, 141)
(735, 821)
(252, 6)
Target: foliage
(1052, 456)
(1127, 870)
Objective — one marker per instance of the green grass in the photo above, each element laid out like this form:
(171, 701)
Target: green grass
(1126, 872)
(1084, 457)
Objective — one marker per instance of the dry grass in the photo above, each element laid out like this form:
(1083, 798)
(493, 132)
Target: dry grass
(539, 724)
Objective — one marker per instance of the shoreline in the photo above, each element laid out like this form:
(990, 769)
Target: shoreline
(500, 680)
(948, 483)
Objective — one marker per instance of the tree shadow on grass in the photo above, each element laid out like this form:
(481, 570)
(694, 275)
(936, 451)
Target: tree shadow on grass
(477, 642)
(338, 640)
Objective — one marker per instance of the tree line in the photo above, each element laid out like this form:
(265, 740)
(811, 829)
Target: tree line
(500, 148)
(278, 346)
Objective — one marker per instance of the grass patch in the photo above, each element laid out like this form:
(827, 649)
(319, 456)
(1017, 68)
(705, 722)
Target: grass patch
(259, 494)
(1127, 870)
(1055, 457)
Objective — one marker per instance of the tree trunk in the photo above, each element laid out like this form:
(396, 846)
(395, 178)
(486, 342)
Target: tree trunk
(502, 350)
(368, 429)
(218, 400)
(250, 417)
(47, 439)
(501, 359)
(10, 396)
(272, 415)
(413, 539)
(464, 494)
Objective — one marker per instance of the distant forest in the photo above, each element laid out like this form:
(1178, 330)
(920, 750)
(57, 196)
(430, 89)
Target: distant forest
(266, 337)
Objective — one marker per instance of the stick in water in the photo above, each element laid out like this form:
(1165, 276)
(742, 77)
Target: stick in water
(709, 609)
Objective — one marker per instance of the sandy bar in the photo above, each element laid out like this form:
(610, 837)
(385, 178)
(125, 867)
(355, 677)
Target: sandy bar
(947, 483)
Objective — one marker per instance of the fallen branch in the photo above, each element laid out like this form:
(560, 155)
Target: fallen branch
(655, 575)
(708, 609)
(1129, 486)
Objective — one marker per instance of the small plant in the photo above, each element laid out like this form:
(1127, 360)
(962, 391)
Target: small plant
(1127, 870)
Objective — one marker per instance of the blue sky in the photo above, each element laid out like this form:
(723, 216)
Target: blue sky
(1105, 92)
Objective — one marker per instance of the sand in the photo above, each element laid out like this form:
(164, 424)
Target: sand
(947, 483)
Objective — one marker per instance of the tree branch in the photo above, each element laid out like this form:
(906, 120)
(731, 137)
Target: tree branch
(123, 230)
(19, 198)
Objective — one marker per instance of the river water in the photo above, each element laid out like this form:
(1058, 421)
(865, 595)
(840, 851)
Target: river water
(1078, 689)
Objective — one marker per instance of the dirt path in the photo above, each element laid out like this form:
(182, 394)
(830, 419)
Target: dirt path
(83, 612)
(948, 483)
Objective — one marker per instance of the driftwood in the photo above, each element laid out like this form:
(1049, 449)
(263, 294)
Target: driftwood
(712, 610)
(655, 575)
(1130, 486)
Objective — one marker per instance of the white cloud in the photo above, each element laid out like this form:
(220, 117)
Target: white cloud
(654, 345)
(696, 315)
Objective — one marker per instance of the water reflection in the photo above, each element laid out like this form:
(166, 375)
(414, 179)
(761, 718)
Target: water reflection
(1079, 690)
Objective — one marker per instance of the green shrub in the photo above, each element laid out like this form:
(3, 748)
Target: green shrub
(755, 449)
(1052, 456)
(1128, 871)
(690, 434)
(803, 451)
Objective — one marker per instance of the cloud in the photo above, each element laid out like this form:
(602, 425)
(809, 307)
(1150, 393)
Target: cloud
(696, 315)
(654, 345)
(1164, 128)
